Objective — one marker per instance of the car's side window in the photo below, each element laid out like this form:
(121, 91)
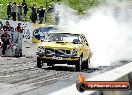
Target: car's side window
(85, 40)
(82, 38)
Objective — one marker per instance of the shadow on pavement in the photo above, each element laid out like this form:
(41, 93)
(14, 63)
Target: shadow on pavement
(61, 68)
(71, 69)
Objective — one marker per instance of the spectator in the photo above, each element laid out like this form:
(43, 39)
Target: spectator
(33, 16)
(14, 11)
(7, 27)
(57, 17)
(19, 28)
(19, 12)
(5, 41)
(18, 31)
(9, 6)
(25, 9)
(24, 3)
(41, 12)
(50, 9)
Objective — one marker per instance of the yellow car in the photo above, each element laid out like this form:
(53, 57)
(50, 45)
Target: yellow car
(64, 48)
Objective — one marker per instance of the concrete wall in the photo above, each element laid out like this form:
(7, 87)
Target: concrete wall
(123, 73)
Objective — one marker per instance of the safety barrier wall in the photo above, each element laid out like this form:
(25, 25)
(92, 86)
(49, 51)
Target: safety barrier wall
(123, 73)
(32, 34)
(27, 26)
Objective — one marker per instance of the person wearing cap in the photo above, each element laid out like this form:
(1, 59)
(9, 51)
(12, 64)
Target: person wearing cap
(41, 12)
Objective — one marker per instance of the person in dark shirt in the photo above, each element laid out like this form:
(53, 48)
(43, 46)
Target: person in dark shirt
(19, 28)
(50, 9)
(23, 3)
(33, 16)
(41, 13)
(9, 6)
(25, 9)
(14, 7)
(5, 41)
(7, 27)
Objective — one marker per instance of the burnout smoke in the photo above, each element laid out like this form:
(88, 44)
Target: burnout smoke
(108, 31)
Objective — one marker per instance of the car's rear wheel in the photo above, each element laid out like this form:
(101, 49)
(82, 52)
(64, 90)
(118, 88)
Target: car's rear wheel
(85, 64)
(78, 64)
(39, 63)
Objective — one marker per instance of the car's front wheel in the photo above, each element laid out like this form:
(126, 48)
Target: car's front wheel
(78, 64)
(39, 63)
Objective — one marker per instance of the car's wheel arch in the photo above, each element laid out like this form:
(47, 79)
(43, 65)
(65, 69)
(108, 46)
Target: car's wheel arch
(82, 57)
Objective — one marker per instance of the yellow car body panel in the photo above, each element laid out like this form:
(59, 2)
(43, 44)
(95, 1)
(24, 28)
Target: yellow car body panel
(82, 49)
(59, 45)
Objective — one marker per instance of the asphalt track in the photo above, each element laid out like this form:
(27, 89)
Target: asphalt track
(20, 76)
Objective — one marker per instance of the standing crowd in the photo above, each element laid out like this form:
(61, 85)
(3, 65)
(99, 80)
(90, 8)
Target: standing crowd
(6, 38)
(15, 11)
(19, 12)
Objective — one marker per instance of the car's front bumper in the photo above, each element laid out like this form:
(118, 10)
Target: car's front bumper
(66, 57)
